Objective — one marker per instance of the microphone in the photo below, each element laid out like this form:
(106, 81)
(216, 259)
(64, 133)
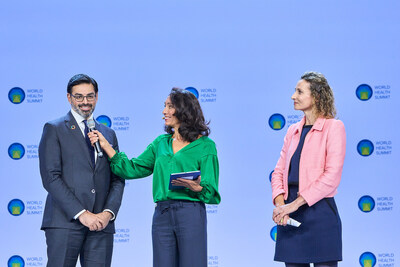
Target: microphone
(163, 118)
(91, 125)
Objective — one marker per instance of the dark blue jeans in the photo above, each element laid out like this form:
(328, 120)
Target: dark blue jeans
(179, 234)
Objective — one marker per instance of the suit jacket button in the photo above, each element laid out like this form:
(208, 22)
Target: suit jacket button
(93, 191)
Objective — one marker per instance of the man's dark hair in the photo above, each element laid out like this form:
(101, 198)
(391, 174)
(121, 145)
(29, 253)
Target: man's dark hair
(79, 79)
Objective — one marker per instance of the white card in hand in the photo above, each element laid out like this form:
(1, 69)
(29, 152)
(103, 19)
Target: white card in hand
(293, 222)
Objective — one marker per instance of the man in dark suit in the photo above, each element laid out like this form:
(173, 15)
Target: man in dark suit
(83, 195)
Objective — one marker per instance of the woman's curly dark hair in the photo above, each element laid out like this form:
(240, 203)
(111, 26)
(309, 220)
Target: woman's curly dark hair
(322, 94)
(189, 114)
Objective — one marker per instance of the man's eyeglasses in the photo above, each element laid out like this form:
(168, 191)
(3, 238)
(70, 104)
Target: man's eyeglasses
(79, 98)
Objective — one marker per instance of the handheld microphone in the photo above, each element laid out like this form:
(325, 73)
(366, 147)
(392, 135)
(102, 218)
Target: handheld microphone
(91, 125)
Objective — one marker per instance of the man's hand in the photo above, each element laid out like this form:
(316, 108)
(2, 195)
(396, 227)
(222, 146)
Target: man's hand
(104, 218)
(91, 221)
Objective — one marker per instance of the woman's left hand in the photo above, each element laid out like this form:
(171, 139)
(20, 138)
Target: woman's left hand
(193, 185)
(280, 212)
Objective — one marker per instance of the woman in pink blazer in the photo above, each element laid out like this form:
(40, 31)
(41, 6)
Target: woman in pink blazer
(306, 178)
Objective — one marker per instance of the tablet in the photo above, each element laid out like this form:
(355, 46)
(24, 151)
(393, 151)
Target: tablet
(194, 175)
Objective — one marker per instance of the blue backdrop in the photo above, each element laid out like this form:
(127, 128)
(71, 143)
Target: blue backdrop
(244, 59)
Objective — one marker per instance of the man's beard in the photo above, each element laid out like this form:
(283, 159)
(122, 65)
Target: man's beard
(85, 114)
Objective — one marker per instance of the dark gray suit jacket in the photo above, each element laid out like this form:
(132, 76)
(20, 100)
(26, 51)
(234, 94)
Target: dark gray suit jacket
(71, 180)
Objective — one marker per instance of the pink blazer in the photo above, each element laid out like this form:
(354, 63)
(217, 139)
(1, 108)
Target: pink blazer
(321, 163)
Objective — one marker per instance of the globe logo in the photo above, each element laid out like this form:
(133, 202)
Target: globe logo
(276, 121)
(103, 119)
(273, 233)
(16, 261)
(365, 148)
(16, 207)
(16, 151)
(364, 92)
(193, 91)
(16, 95)
(366, 204)
(367, 259)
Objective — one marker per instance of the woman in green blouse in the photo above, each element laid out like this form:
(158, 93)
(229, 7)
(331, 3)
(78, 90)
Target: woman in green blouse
(179, 227)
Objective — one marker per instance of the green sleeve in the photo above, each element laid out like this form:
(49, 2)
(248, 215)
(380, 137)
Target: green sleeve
(209, 180)
(139, 167)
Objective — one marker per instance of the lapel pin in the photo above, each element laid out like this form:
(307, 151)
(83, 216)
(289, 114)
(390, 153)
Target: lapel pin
(73, 127)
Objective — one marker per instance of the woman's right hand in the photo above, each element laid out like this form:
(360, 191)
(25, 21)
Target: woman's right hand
(95, 136)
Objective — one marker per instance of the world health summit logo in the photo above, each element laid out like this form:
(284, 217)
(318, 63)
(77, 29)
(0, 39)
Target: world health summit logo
(364, 92)
(366, 204)
(276, 121)
(103, 119)
(16, 95)
(365, 148)
(16, 207)
(193, 91)
(16, 151)
(273, 233)
(16, 261)
(367, 259)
